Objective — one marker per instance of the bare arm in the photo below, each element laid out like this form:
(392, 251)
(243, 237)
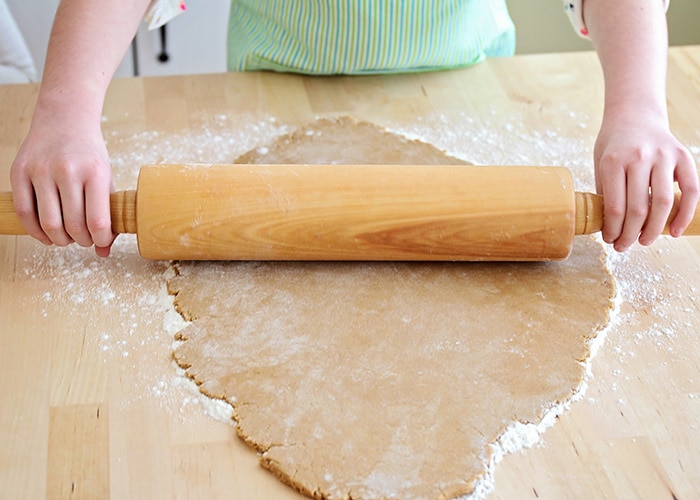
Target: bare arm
(61, 177)
(637, 159)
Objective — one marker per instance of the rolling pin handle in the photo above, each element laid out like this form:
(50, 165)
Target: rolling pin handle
(9, 222)
(123, 212)
(589, 213)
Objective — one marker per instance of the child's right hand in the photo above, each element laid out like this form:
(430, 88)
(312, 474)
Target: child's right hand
(61, 178)
(61, 181)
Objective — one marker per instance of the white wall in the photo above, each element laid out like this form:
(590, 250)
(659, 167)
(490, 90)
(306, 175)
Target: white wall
(34, 18)
(196, 40)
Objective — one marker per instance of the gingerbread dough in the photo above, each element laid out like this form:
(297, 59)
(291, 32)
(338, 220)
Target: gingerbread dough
(385, 380)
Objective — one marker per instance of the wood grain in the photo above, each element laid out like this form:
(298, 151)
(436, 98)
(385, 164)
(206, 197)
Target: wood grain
(9, 222)
(358, 212)
(78, 461)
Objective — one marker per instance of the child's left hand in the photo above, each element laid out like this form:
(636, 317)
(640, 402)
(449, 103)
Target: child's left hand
(637, 160)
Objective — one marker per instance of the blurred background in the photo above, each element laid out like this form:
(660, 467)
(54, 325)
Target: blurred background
(541, 27)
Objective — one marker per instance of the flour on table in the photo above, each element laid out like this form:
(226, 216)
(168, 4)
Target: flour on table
(388, 380)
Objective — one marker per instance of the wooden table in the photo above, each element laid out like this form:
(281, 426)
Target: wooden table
(92, 407)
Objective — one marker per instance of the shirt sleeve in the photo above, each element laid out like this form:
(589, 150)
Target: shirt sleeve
(574, 11)
(162, 11)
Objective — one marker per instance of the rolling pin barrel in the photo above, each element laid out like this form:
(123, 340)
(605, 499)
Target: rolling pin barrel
(359, 212)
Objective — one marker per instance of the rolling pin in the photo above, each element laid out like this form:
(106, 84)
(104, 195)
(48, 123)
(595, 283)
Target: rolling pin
(351, 212)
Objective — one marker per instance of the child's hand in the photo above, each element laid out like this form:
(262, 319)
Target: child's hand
(636, 163)
(61, 178)
(61, 182)
(637, 159)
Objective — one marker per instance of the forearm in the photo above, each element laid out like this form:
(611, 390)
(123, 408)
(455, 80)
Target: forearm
(637, 158)
(630, 37)
(88, 40)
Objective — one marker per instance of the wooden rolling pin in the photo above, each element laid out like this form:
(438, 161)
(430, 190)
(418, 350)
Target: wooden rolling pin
(351, 212)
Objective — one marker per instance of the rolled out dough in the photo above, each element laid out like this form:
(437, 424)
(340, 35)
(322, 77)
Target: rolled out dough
(385, 380)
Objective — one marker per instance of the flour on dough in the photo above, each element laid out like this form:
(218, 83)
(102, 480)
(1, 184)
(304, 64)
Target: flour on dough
(385, 380)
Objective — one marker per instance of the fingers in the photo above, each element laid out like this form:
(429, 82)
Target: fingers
(687, 177)
(98, 217)
(59, 207)
(637, 208)
(613, 187)
(638, 198)
(86, 212)
(25, 208)
(48, 207)
(72, 210)
(626, 203)
(659, 203)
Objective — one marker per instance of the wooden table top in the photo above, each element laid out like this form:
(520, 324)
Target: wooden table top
(92, 406)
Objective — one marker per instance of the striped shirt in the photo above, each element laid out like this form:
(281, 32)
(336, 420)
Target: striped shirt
(366, 36)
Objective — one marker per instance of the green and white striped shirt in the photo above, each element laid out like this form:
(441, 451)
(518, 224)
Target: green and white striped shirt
(366, 36)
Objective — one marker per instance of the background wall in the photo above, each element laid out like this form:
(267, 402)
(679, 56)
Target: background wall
(34, 18)
(541, 26)
(195, 41)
